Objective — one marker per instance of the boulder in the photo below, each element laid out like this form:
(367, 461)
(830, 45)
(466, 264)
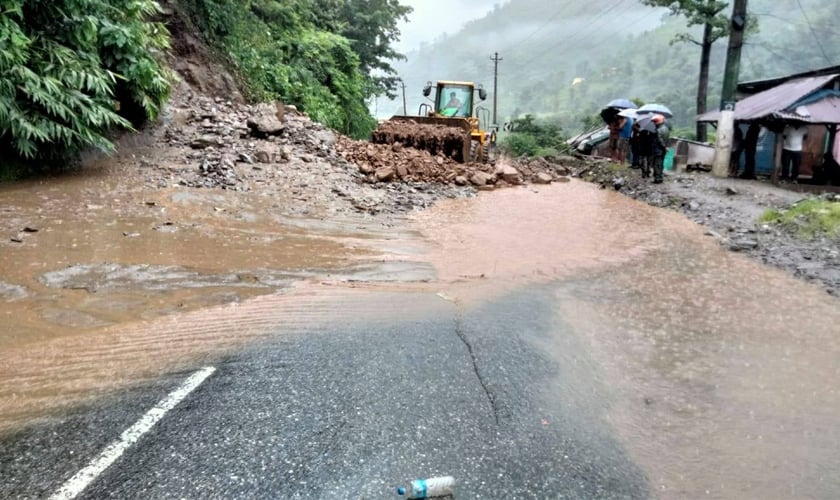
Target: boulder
(385, 174)
(263, 156)
(265, 126)
(542, 178)
(511, 175)
(481, 178)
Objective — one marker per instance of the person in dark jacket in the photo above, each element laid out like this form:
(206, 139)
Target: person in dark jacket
(660, 148)
(644, 149)
(750, 147)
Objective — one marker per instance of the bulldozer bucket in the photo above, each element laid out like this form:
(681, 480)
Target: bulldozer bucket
(437, 135)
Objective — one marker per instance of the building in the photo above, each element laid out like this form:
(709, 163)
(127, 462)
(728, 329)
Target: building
(812, 98)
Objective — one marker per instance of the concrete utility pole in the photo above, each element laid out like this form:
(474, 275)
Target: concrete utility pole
(405, 107)
(496, 59)
(726, 122)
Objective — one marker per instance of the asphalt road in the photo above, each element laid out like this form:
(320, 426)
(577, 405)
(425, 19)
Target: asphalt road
(385, 388)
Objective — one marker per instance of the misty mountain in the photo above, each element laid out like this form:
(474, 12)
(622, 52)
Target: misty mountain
(565, 59)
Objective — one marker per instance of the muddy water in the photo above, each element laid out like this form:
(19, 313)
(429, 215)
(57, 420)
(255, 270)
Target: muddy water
(104, 252)
(721, 374)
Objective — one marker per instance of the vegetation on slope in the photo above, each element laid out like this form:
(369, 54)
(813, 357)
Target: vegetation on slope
(70, 71)
(325, 56)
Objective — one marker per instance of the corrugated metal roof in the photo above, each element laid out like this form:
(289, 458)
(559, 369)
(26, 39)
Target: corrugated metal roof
(756, 86)
(776, 99)
(826, 110)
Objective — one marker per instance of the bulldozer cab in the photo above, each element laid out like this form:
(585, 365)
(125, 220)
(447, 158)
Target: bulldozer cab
(454, 100)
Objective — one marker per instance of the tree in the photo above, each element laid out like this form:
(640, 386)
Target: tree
(371, 27)
(712, 15)
(66, 67)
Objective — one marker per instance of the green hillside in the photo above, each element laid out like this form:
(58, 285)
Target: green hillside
(614, 49)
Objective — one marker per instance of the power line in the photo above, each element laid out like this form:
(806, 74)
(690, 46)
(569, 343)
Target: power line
(572, 35)
(542, 27)
(811, 27)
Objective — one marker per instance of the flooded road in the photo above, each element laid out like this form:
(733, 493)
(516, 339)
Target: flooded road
(718, 374)
(722, 373)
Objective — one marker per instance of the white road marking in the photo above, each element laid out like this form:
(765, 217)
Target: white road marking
(84, 477)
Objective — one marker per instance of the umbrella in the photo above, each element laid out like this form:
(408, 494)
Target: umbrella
(629, 113)
(648, 122)
(622, 104)
(655, 108)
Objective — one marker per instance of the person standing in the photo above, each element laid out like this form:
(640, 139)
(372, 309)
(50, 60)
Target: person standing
(645, 140)
(624, 136)
(615, 132)
(636, 161)
(737, 148)
(750, 147)
(662, 142)
(794, 136)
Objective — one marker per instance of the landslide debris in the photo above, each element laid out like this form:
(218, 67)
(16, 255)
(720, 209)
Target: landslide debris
(436, 139)
(382, 163)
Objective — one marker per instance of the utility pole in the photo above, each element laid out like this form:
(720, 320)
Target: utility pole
(405, 107)
(496, 59)
(726, 122)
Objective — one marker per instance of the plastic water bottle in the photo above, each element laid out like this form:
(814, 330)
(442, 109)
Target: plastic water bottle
(429, 488)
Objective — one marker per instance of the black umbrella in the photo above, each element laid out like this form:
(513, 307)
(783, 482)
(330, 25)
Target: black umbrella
(609, 114)
(646, 123)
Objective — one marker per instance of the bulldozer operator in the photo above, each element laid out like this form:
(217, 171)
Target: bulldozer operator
(453, 107)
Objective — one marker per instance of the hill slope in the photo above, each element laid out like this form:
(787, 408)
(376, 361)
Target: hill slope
(618, 49)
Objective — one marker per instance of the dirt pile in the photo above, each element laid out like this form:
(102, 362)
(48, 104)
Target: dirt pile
(382, 163)
(436, 139)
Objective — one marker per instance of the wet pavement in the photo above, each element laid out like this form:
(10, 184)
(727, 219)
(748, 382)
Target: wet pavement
(696, 371)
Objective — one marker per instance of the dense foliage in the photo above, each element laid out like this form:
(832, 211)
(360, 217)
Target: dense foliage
(528, 137)
(72, 70)
(325, 56)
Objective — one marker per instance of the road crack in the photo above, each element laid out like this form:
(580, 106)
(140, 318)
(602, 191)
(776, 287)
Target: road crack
(461, 335)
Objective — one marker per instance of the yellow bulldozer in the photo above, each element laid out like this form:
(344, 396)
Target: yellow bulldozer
(452, 124)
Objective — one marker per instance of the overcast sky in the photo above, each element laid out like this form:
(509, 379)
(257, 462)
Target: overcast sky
(431, 18)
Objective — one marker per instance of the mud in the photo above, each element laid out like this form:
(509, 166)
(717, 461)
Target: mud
(730, 209)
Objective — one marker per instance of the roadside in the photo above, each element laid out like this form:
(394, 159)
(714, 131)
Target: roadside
(732, 210)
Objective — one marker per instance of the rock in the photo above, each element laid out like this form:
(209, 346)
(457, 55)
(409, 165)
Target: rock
(326, 137)
(402, 171)
(731, 191)
(286, 153)
(694, 206)
(245, 158)
(366, 168)
(743, 245)
(542, 178)
(265, 126)
(206, 141)
(563, 180)
(385, 174)
(263, 156)
(618, 183)
(481, 178)
(460, 180)
(511, 175)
